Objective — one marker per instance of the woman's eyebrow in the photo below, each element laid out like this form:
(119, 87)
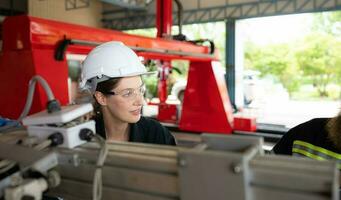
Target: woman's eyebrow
(132, 88)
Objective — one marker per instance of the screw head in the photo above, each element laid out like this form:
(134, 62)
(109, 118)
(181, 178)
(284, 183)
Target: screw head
(237, 168)
(182, 162)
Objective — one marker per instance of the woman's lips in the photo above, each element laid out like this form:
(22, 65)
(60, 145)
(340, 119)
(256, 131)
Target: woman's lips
(136, 112)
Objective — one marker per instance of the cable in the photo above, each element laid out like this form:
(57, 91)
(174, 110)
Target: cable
(43, 145)
(31, 89)
(201, 41)
(6, 165)
(52, 104)
(54, 139)
(97, 184)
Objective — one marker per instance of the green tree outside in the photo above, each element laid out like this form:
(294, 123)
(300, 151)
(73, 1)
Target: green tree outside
(316, 60)
(313, 61)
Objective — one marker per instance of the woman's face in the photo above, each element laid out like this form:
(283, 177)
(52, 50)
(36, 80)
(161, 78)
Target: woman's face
(127, 102)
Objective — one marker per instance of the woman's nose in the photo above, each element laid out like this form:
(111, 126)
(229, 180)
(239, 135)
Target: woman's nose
(139, 100)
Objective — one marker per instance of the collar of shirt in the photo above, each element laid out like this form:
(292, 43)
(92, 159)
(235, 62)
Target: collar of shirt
(134, 134)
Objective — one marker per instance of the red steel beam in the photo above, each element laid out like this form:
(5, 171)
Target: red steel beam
(24, 32)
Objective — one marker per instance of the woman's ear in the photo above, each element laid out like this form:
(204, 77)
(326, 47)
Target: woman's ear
(100, 98)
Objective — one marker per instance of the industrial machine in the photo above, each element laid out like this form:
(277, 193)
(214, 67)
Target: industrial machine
(219, 167)
(42, 162)
(52, 158)
(68, 122)
(26, 171)
(33, 46)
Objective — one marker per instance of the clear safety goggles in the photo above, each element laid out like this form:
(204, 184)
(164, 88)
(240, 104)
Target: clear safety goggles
(130, 93)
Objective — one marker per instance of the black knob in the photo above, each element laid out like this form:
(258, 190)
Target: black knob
(56, 139)
(86, 134)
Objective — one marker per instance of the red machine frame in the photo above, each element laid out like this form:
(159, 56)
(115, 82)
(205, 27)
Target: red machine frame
(30, 45)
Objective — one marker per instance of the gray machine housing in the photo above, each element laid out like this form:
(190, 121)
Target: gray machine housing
(220, 167)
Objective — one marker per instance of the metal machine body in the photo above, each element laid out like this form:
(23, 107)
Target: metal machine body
(220, 167)
(27, 173)
(33, 46)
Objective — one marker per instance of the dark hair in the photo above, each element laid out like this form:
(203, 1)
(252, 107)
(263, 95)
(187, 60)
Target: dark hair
(108, 85)
(334, 130)
(104, 87)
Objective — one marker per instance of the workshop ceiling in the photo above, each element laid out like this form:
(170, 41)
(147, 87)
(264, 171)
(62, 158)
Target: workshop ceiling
(142, 14)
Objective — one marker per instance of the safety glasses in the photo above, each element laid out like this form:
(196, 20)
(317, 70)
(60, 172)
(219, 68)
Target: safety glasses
(129, 93)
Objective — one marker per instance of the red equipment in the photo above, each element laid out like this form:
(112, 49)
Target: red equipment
(31, 46)
(167, 113)
(164, 18)
(245, 124)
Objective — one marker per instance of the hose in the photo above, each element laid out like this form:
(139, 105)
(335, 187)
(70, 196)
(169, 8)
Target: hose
(201, 41)
(180, 11)
(180, 36)
(52, 104)
(31, 89)
(97, 183)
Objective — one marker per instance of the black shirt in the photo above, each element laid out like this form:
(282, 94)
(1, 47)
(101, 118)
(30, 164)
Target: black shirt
(146, 130)
(313, 132)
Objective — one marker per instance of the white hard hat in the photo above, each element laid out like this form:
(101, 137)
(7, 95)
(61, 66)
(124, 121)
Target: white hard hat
(110, 60)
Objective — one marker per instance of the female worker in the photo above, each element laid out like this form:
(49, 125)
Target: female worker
(112, 73)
